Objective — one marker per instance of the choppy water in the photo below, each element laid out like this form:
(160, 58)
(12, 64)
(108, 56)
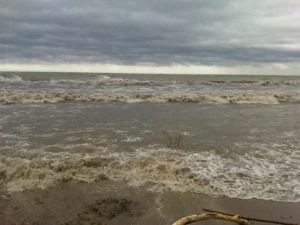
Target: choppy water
(239, 135)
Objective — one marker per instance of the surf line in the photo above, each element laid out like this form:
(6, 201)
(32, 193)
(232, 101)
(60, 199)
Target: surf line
(253, 219)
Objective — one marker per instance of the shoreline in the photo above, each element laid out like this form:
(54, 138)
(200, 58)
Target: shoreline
(110, 202)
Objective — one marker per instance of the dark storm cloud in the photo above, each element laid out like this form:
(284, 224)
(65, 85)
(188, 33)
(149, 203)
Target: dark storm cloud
(157, 32)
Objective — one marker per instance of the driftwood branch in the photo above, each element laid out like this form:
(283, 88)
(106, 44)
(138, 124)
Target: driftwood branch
(254, 219)
(207, 216)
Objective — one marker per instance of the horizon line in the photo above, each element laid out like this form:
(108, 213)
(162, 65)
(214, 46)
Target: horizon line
(139, 73)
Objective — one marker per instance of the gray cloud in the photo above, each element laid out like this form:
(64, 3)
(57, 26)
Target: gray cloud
(160, 32)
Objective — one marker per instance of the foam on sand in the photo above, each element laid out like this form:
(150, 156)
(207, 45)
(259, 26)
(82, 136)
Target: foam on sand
(256, 175)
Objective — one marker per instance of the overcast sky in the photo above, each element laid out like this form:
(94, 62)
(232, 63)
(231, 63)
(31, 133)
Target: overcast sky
(172, 36)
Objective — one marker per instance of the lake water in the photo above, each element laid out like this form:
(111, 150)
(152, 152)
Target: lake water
(221, 135)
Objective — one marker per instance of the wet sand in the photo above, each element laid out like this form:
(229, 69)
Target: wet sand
(108, 202)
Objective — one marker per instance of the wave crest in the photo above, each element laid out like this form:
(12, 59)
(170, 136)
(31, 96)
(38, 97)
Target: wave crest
(10, 79)
(22, 97)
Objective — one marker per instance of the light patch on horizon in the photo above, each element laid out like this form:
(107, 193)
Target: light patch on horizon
(108, 68)
(272, 69)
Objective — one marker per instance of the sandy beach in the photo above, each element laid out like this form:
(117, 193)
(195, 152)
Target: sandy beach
(111, 203)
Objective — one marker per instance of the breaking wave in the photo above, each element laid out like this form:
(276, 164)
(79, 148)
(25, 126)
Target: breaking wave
(123, 80)
(205, 172)
(22, 97)
(10, 79)
(101, 80)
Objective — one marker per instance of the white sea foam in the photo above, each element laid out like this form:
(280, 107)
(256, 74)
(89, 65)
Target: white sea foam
(19, 97)
(258, 174)
(3, 135)
(133, 139)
